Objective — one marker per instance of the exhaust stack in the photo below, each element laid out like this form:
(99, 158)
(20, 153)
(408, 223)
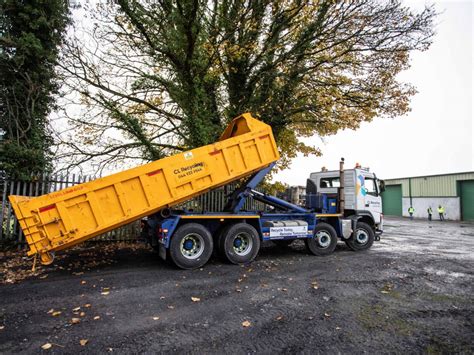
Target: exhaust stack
(341, 186)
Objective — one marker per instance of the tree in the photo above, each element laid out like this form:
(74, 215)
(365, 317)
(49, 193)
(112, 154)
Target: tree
(30, 34)
(165, 76)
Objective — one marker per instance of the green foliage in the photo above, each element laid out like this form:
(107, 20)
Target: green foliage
(305, 68)
(30, 33)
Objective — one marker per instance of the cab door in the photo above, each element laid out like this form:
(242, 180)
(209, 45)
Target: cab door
(369, 195)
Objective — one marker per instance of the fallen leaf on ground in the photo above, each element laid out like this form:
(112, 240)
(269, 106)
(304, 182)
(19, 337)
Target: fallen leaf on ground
(46, 346)
(383, 291)
(338, 328)
(83, 282)
(82, 314)
(279, 318)
(96, 317)
(87, 305)
(51, 311)
(105, 289)
(2, 327)
(246, 323)
(284, 289)
(77, 309)
(83, 342)
(238, 290)
(56, 313)
(171, 307)
(75, 320)
(43, 276)
(156, 318)
(327, 314)
(195, 299)
(105, 293)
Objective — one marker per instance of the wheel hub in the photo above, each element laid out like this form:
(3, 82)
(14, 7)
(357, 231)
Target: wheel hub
(192, 246)
(242, 244)
(361, 237)
(323, 238)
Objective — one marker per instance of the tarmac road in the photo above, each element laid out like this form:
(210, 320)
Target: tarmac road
(412, 292)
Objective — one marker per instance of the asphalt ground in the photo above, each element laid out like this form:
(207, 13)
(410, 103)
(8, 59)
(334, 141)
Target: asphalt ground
(411, 293)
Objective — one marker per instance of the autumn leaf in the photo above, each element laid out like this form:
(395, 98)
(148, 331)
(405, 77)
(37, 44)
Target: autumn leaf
(77, 309)
(246, 324)
(75, 320)
(46, 346)
(96, 317)
(83, 342)
(195, 299)
(156, 318)
(87, 305)
(105, 293)
(56, 313)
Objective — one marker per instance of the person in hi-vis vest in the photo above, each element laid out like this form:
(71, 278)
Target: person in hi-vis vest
(441, 212)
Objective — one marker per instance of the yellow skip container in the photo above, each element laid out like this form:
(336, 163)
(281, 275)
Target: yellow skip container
(67, 217)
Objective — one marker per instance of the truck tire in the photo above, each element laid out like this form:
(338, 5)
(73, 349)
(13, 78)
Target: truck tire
(324, 240)
(362, 238)
(191, 246)
(283, 243)
(240, 243)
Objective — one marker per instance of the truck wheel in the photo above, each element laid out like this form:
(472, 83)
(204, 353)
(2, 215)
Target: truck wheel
(283, 243)
(362, 238)
(191, 246)
(240, 243)
(324, 240)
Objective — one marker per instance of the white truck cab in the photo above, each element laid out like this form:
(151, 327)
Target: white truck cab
(358, 197)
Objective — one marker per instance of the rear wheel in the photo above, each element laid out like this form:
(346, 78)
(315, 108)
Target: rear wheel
(362, 238)
(191, 246)
(240, 243)
(324, 240)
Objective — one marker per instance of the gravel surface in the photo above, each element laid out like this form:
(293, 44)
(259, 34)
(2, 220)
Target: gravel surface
(412, 292)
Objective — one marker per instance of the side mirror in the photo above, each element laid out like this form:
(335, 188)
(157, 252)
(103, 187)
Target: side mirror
(382, 185)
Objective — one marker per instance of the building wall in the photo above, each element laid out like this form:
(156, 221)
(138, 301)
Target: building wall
(432, 191)
(436, 185)
(452, 207)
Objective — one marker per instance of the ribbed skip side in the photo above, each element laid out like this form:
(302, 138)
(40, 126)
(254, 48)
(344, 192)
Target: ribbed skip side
(67, 217)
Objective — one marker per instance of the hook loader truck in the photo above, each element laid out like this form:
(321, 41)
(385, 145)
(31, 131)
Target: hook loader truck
(342, 204)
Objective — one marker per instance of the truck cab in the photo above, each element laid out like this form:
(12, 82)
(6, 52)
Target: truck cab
(357, 196)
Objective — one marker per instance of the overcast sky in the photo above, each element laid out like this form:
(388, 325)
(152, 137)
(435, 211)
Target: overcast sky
(436, 137)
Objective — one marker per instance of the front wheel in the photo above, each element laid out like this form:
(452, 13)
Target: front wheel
(191, 246)
(362, 238)
(240, 243)
(324, 240)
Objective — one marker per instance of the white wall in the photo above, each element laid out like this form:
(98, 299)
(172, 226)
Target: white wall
(451, 206)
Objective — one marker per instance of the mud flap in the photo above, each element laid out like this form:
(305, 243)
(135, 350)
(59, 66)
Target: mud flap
(162, 251)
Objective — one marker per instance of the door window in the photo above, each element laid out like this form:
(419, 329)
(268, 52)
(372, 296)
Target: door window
(371, 186)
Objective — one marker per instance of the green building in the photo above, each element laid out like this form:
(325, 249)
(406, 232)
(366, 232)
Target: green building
(455, 192)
